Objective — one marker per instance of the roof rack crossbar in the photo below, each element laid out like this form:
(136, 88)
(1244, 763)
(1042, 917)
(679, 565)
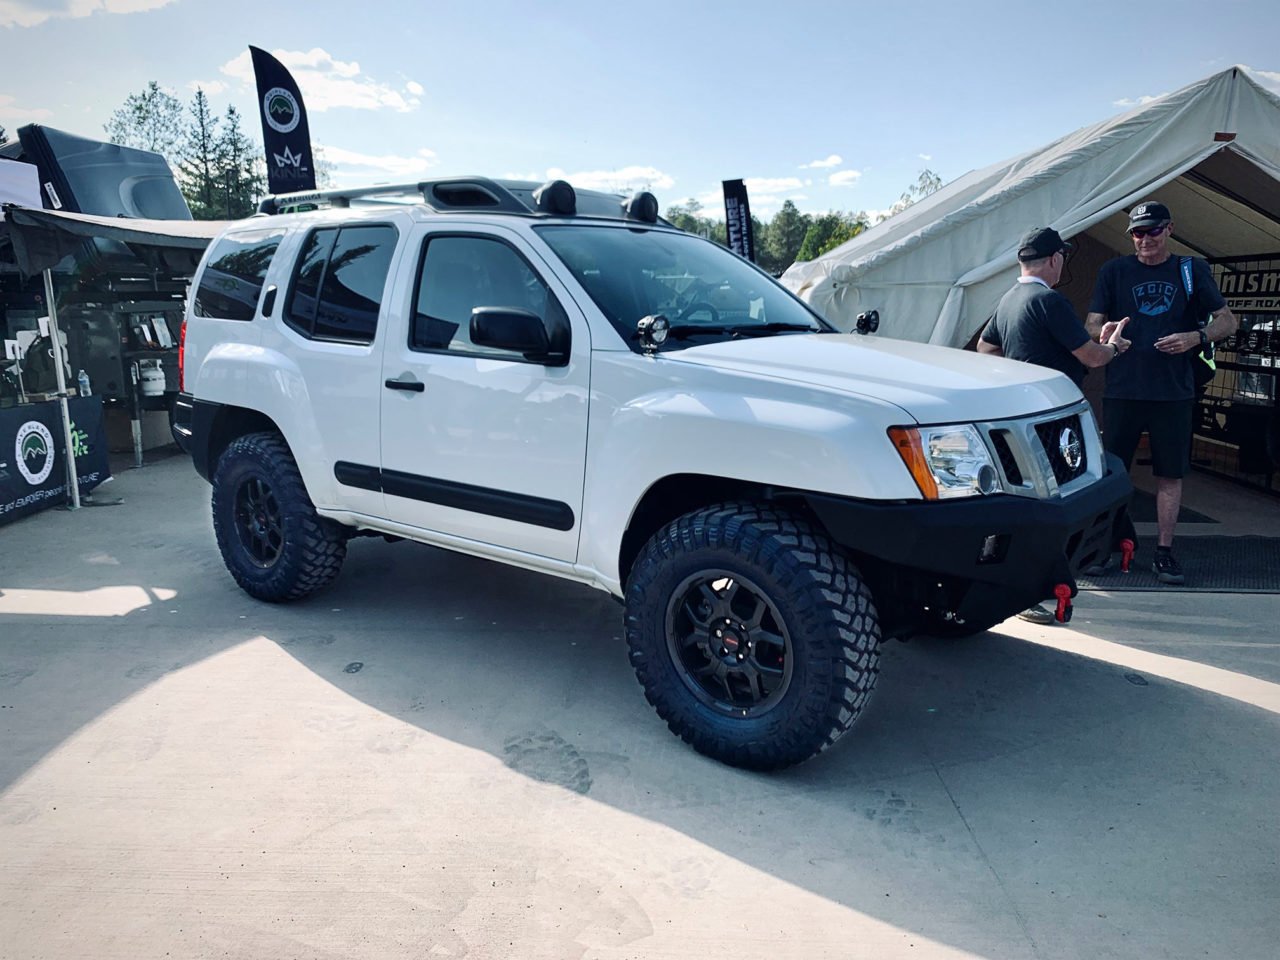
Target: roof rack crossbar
(452, 193)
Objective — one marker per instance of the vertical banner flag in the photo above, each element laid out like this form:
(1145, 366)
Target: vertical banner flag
(737, 216)
(285, 134)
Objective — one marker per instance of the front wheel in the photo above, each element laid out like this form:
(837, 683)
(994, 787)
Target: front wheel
(752, 635)
(274, 544)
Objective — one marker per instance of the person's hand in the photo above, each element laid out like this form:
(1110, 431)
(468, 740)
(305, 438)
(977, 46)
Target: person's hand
(1109, 328)
(1178, 342)
(1113, 336)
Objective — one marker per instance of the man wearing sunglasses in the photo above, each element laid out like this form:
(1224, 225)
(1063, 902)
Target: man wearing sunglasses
(1151, 389)
(1036, 324)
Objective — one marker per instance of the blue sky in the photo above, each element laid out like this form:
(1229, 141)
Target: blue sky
(834, 105)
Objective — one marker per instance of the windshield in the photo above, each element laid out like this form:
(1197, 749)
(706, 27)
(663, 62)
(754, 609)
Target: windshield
(706, 292)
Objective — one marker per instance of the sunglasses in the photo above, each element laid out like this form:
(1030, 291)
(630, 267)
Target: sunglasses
(1153, 232)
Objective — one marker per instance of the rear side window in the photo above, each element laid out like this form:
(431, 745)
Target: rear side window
(234, 273)
(337, 286)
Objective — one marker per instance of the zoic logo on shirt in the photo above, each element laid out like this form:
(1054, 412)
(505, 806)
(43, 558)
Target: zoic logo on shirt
(1154, 297)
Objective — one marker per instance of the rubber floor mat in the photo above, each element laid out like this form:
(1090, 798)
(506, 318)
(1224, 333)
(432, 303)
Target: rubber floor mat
(1211, 565)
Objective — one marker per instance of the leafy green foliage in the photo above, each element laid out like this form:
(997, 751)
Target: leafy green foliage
(220, 170)
(830, 230)
(150, 120)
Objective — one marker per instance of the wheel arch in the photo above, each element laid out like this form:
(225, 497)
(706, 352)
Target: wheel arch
(222, 425)
(677, 494)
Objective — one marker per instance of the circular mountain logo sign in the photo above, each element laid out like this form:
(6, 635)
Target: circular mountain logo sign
(281, 110)
(33, 449)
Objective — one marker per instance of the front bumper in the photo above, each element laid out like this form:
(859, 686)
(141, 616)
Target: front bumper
(981, 559)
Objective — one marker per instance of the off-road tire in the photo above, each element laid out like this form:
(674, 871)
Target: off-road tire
(271, 539)
(813, 612)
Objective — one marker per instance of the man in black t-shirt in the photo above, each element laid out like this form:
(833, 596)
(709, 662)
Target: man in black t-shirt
(1037, 324)
(1152, 388)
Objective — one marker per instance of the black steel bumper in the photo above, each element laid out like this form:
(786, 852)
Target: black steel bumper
(986, 558)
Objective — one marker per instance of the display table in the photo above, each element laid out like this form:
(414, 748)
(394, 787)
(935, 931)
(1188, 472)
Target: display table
(33, 466)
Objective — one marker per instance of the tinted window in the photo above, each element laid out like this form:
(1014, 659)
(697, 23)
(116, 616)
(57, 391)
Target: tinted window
(459, 274)
(353, 283)
(234, 274)
(300, 311)
(338, 284)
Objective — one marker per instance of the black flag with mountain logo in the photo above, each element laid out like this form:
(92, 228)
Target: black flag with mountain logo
(284, 127)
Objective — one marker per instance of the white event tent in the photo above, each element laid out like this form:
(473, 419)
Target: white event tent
(1210, 152)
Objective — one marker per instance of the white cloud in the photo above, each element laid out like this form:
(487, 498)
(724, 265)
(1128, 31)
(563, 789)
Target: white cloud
(926, 157)
(363, 165)
(844, 178)
(328, 84)
(832, 161)
(772, 184)
(211, 88)
(10, 114)
(1131, 102)
(28, 13)
(616, 181)
(1269, 79)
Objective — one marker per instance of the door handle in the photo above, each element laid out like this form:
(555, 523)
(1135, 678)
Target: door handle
(415, 386)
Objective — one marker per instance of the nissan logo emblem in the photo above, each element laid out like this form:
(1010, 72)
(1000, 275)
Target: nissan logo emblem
(1070, 448)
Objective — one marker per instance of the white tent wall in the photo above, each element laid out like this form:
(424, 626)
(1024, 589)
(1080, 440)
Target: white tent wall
(936, 270)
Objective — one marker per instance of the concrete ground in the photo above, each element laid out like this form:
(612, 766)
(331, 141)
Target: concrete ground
(443, 757)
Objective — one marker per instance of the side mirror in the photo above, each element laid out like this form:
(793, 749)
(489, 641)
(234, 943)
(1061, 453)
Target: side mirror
(509, 328)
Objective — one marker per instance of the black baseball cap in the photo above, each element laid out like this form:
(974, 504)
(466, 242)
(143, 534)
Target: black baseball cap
(1149, 213)
(1040, 243)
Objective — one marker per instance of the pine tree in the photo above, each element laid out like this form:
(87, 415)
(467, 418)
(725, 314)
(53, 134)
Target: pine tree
(242, 178)
(199, 173)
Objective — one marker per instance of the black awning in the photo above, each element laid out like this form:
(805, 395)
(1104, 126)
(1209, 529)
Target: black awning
(40, 238)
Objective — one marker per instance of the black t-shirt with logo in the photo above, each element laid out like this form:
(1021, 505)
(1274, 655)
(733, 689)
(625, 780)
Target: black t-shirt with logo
(1037, 325)
(1155, 301)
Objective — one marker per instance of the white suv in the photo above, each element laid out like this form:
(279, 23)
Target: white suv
(561, 381)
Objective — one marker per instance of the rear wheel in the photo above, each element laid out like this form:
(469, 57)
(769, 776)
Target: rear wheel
(274, 544)
(752, 635)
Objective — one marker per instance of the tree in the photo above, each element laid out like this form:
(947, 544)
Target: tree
(241, 170)
(1, 133)
(199, 169)
(150, 120)
(925, 184)
(786, 234)
(829, 231)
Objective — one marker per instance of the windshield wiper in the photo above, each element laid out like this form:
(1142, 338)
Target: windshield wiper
(755, 329)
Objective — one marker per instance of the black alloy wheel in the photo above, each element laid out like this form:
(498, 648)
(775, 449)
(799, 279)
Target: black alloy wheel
(729, 643)
(258, 522)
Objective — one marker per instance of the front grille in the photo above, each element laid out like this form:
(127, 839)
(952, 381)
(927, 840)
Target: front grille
(1008, 463)
(1050, 433)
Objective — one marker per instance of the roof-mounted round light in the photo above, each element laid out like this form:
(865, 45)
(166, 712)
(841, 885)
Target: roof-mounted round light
(642, 206)
(557, 198)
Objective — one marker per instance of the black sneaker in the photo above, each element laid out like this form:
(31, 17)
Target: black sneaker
(1167, 569)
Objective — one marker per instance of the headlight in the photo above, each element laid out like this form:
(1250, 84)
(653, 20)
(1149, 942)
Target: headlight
(946, 462)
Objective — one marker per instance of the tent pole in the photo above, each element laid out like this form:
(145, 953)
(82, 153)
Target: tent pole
(73, 480)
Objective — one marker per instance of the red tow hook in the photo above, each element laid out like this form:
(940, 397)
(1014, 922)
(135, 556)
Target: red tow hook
(1127, 547)
(1063, 592)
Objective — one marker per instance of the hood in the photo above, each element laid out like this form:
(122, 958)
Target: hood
(933, 384)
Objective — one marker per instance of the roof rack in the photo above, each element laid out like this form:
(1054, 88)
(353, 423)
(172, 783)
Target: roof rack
(450, 194)
(478, 194)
